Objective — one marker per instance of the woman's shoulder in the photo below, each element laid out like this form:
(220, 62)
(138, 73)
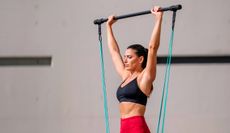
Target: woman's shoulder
(144, 78)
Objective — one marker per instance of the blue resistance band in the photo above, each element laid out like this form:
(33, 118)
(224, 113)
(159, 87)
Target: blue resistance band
(106, 114)
(164, 98)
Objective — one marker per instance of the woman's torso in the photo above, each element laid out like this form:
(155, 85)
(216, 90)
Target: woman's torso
(132, 99)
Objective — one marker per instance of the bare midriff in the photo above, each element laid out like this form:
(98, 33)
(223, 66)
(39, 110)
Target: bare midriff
(129, 109)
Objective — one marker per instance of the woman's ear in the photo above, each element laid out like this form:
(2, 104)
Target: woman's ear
(141, 59)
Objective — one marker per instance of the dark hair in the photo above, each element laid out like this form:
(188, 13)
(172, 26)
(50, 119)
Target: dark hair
(140, 51)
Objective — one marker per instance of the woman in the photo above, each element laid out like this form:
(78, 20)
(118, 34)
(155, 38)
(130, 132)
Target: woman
(138, 71)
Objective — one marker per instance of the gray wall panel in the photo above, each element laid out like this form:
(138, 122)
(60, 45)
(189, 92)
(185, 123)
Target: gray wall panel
(66, 97)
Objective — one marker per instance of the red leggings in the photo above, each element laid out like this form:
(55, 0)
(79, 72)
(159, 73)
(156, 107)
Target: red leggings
(134, 124)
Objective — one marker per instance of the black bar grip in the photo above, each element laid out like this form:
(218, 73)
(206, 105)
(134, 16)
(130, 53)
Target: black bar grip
(100, 21)
(171, 8)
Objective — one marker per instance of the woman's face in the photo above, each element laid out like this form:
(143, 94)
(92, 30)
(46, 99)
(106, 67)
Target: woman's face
(131, 60)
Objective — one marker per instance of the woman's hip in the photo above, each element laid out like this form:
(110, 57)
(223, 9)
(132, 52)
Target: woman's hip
(134, 124)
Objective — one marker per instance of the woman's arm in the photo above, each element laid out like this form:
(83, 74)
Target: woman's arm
(114, 48)
(149, 73)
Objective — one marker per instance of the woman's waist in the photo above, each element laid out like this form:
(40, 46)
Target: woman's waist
(129, 109)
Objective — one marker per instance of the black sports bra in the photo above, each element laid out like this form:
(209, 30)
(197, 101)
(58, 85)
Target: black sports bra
(131, 93)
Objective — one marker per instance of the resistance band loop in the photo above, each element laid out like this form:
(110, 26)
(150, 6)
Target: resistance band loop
(166, 81)
(106, 114)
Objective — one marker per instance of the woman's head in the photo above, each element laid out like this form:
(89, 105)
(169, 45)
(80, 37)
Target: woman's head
(136, 55)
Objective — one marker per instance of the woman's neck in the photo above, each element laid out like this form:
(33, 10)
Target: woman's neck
(134, 73)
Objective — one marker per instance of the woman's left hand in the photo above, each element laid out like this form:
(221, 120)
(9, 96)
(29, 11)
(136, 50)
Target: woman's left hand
(158, 14)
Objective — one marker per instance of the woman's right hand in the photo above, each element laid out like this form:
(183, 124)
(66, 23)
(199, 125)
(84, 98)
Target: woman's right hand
(111, 20)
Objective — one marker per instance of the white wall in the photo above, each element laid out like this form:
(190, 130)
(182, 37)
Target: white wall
(66, 97)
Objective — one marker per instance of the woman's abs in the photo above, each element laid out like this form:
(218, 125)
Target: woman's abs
(129, 109)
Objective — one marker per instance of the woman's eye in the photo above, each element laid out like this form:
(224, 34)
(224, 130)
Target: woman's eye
(127, 57)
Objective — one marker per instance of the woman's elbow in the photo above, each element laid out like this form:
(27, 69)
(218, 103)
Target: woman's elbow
(154, 47)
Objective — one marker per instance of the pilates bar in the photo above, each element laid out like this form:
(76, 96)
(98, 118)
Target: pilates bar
(170, 8)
